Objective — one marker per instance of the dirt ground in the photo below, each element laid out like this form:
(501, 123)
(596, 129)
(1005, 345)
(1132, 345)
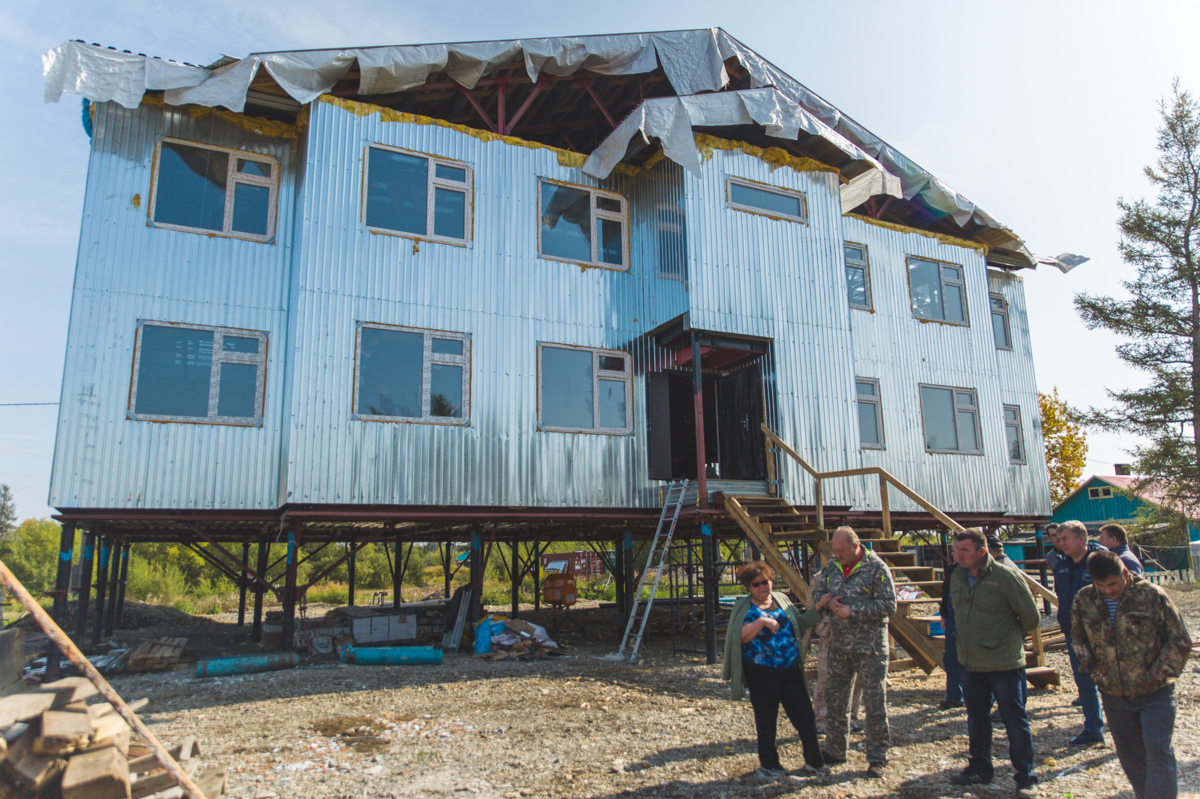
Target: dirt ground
(583, 726)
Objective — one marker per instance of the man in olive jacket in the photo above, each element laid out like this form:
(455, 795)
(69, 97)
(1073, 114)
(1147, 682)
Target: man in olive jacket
(1130, 638)
(993, 609)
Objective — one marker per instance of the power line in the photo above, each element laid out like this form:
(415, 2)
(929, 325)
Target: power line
(16, 404)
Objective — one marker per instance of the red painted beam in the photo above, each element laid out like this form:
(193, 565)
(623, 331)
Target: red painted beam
(254, 575)
(487, 120)
(537, 88)
(587, 85)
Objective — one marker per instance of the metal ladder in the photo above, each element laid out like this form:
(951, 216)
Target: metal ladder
(660, 547)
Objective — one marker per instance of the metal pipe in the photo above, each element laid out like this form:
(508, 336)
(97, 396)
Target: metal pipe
(397, 574)
(243, 585)
(114, 576)
(85, 585)
(350, 564)
(62, 588)
(701, 457)
(251, 664)
(264, 555)
(289, 590)
(125, 551)
(514, 575)
(708, 545)
(101, 587)
(392, 655)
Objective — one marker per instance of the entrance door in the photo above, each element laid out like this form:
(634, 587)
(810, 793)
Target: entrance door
(739, 413)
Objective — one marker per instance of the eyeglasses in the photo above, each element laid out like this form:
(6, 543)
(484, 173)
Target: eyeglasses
(760, 583)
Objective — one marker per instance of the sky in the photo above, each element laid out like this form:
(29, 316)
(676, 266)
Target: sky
(1043, 113)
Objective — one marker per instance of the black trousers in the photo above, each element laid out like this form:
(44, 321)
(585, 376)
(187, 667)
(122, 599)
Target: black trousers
(769, 688)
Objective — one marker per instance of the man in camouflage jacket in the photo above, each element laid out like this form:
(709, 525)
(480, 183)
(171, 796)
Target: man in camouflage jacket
(1130, 638)
(856, 591)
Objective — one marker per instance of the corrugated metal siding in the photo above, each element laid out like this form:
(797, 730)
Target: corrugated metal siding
(499, 292)
(757, 276)
(127, 271)
(1083, 508)
(1028, 483)
(901, 352)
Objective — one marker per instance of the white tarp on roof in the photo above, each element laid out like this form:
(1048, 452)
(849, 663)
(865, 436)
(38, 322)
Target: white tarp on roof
(671, 119)
(692, 60)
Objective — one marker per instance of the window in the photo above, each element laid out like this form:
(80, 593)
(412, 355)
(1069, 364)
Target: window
(870, 413)
(760, 198)
(583, 390)
(1104, 492)
(417, 195)
(582, 225)
(188, 373)
(950, 417)
(1012, 431)
(214, 190)
(1000, 329)
(404, 373)
(858, 276)
(937, 291)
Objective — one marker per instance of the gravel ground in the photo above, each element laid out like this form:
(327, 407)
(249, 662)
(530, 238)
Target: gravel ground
(582, 726)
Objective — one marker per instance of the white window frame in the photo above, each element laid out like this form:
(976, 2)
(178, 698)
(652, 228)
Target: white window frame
(1100, 492)
(767, 187)
(621, 216)
(219, 357)
(233, 177)
(432, 183)
(865, 266)
(428, 359)
(1002, 312)
(943, 282)
(597, 375)
(973, 408)
(877, 401)
(1020, 435)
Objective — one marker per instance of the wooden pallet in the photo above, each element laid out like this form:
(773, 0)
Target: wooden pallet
(155, 655)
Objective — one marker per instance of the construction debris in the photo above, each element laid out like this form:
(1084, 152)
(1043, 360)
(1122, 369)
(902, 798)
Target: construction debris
(514, 639)
(157, 655)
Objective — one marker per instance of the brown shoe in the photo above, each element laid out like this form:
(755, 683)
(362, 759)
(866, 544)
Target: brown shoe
(875, 771)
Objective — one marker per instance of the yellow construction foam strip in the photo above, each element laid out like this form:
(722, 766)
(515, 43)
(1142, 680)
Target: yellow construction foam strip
(773, 156)
(265, 127)
(953, 241)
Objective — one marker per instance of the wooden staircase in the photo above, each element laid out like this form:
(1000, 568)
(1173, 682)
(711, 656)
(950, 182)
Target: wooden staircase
(771, 522)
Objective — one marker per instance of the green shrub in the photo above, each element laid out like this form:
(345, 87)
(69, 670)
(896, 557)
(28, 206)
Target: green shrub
(329, 594)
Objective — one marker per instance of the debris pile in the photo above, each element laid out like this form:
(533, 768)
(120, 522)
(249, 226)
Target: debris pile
(54, 744)
(498, 638)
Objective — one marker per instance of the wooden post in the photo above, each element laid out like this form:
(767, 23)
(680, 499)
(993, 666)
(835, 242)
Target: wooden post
(773, 489)
(125, 550)
(820, 507)
(350, 573)
(885, 506)
(264, 560)
(62, 588)
(60, 640)
(101, 587)
(1039, 651)
(85, 584)
(287, 641)
(243, 586)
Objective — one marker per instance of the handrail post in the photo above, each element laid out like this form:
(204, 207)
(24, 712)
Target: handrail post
(820, 507)
(772, 453)
(885, 506)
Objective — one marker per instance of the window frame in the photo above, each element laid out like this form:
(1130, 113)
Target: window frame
(233, 177)
(597, 375)
(219, 357)
(865, 265)
(432, 183)
(1100, 492)
(1024, 459)
(954, 391)
(942, 283)
(428, 359)
(767, 187)
(621, 216)
(877, 401)
(1003, 313)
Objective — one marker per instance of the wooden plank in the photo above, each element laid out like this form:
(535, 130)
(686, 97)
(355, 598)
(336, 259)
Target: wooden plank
(762, 540)
(160, 780)
(16, 740)
(111, 726)
(23, 707)
(181, 753)
(99, 774)
(36, 771)
(80, 688)
(63, 731)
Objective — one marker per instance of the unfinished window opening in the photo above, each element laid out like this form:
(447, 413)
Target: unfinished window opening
(950, 418)
(414, 194)
(870, 413)
(672, 241)
(214, 190)
(1104, 492)
(937, 290)
(858, 276)
(761, 198)
(582, 225)
(1000, 329)
(1012, 432)
(584, 390)
(413, 375)
(192, 373)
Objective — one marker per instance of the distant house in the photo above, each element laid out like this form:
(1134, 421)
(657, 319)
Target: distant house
(1106, 499)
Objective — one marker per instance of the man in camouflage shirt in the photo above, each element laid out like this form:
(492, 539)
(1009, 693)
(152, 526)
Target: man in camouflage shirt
(855, 589)
(1130, 638)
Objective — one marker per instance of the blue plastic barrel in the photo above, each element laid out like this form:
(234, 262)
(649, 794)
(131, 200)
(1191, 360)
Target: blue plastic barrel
(250, 664)
(392, 655)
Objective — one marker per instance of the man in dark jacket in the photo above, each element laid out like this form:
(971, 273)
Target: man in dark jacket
(1129, 636)
(1115, 539)
(993, 609)
(1071, 575)
(954, 690)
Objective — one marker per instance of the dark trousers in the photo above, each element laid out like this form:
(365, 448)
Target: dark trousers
(979, 689)
(1141, 729)
(954, 671)
(1089, 697)
(770, 688)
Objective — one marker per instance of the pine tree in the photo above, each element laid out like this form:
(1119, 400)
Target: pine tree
(1065, 444)
(8, 511)
(1160, 323)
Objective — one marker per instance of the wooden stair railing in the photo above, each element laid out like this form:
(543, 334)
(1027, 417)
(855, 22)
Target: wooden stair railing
(910, 636)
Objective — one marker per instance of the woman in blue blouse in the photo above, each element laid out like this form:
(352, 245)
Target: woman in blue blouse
(762, 654)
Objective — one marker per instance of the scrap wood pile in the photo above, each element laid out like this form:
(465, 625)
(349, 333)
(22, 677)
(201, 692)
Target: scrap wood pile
(53, 743)
(513, 639)
(157, 655)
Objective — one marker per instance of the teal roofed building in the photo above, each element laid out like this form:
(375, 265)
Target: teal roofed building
(1107, 499)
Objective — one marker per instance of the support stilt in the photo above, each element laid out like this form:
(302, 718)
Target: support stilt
(243, 586)
(101, 589)
(125, 550)
(264, 558)
(350, 574)
(85, 584)
(289, 590)
(62, 587)
(708, 545)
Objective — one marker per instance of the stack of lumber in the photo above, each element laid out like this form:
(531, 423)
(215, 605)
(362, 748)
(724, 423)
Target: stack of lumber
(54, 744)
(157, 655)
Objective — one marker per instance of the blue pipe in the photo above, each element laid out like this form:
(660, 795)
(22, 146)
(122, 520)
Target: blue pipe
(390, 655)
(250, 664)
